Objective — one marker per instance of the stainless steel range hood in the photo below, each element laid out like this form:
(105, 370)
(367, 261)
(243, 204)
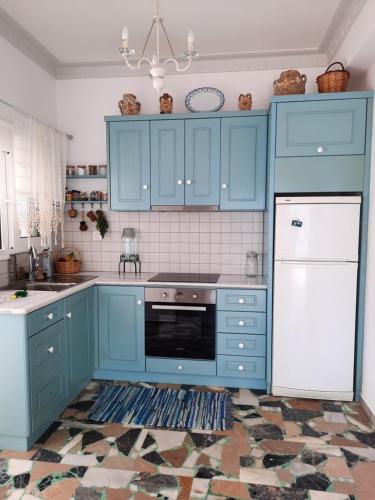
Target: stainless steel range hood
(185, 208)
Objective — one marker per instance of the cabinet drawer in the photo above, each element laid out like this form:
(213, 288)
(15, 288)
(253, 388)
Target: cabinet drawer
(241, 345)
(47, 349)
(40, 319)
(241, 366)
(241, 322)
(319, 128)
(48, 395)
(241, 300)
(181, 366)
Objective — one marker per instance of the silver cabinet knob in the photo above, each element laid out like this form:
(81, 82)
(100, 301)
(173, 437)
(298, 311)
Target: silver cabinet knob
(189, 181)
(241, 322)
(180, 182)
(145, 187)
(50, 315)
(69, 315)
(195, 296)
(179, 367)
(241, 368)
(51, 349)
(224, 186)
(139, 302)
(241, 301)
(164, 295)
(319, 149)
(241, 345)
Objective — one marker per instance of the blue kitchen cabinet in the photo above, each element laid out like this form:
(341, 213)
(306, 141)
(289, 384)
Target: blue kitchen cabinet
(167, 162)
(78, 328)
(243, 163)
(321, 128)
(121, 333)
(129, 165)
(202, 167)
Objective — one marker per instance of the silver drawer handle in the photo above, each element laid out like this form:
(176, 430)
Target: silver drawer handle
(50, 315)
(180, 182)
(69, 315)
(179, 367)
(241, 301)
(139, 302)
(241, 368)
(224, 186)
(241, 322)
(189, 182)
(319, 149)
(241, 345)
(145, 187)
(51, 349)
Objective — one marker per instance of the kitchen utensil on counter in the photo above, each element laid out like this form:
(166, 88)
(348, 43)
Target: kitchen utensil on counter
(251, 267)
(289, 82)
(130, 249)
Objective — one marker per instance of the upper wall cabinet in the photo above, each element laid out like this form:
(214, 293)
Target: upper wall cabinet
(202, 167)
(319, 128)
(129, 160)
(167, 162)
(243, 163)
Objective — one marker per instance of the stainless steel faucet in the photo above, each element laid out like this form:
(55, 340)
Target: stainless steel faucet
(33, 262)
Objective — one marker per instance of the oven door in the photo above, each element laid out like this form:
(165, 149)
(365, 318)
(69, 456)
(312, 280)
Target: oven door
(180, 330)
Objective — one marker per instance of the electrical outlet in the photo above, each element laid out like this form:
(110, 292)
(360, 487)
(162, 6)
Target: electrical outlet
(96, 236)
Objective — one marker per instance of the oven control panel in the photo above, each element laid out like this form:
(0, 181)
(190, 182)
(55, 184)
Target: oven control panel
(180, 295)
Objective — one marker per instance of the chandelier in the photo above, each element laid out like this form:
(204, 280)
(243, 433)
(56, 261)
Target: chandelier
(157, 66)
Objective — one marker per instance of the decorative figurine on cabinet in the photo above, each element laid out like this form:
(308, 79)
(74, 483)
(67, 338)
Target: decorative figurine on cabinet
(129, 105)
(166, 104)
(245, 102)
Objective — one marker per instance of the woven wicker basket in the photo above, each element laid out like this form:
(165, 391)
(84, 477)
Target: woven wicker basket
(333, 80)
(68, 267)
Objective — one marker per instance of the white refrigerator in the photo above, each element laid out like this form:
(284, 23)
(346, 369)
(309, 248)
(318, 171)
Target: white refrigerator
(315, 296)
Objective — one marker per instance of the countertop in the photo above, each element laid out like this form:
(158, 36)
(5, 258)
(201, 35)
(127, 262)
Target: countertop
(35, 299)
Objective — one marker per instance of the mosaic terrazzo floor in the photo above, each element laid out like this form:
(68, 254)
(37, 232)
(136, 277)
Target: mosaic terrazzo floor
(278, 449)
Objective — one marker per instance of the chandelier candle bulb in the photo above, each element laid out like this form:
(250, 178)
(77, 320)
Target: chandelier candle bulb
(125, 37)
(191, 41)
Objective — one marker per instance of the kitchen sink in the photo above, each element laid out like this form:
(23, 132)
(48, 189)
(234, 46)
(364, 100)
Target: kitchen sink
(56, 283)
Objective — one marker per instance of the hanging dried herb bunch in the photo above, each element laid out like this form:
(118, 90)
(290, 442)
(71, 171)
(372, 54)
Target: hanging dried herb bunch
(101, 223)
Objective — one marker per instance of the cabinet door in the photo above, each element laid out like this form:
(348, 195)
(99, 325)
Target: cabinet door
(167, 162)
(129, 162)
(121, 328)
(202, 161)
(319, 128)
(243, 163)
(78, 327)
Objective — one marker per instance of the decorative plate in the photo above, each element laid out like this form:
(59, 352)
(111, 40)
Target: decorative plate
(204, 99)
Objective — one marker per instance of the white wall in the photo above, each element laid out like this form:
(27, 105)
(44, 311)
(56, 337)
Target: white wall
(26, 85)
(82, 104)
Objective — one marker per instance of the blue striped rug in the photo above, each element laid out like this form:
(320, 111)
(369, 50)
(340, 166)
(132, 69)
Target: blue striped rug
(163, 408)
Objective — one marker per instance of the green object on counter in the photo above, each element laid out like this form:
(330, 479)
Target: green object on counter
(20, 294)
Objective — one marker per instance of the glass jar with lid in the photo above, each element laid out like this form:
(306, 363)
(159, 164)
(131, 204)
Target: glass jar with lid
(129, 243)
(251, 265)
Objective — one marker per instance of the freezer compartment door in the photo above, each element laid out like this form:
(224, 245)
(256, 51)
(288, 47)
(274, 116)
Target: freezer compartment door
(314, 326)
(316, 231)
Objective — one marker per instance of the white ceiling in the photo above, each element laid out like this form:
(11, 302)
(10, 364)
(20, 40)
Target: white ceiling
(72, 36)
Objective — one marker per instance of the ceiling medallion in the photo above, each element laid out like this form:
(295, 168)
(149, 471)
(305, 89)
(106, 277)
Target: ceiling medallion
(157, 66)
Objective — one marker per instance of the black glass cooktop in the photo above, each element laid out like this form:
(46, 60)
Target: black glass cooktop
(185, 277)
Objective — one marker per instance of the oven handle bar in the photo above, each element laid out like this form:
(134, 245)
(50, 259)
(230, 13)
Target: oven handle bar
(179, 308)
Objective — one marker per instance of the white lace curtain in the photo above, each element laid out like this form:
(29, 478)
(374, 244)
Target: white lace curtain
(38, 187)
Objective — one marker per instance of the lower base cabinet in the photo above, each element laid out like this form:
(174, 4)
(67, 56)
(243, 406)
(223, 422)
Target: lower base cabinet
(121, 327)
(45, 361)
(78, 328)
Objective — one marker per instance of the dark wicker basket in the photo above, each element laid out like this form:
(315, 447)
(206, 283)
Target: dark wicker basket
(333, 80)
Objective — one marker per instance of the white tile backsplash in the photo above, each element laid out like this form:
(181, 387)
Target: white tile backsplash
(174, 241)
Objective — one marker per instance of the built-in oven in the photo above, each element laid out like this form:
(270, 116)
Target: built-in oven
(180, 323)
